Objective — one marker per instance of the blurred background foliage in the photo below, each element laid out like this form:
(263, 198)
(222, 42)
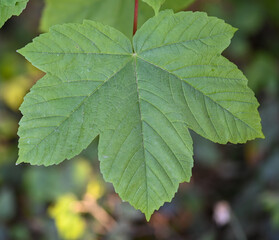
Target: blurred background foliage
(114, 13)
(234, 191)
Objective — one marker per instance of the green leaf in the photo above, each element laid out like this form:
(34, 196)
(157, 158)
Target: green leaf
(116, 13)
(142, 103)
(8, 8)
(155, 4)
(177, 5)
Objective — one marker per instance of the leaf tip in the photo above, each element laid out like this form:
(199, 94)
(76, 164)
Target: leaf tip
(21, 51)
(234, 29)
(147, 217)
(18, 162)
(148, 214)
(261, 136)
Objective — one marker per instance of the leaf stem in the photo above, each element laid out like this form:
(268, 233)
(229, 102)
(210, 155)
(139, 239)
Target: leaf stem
(136, 17)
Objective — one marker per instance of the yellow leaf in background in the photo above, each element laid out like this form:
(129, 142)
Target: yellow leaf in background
(12, 92)
(96, 188)
(70, 224)
(83, 170)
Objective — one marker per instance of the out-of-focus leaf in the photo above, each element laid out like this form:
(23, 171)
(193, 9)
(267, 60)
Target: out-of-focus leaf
(263, 73)
(70, 224)
(177, 5)
(116, 13)
(155, 4)
(96, 188)
(13, 91)
(8, 8)
(82, 172)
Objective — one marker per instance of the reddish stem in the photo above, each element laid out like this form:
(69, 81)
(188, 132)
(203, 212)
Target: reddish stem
(136, 17)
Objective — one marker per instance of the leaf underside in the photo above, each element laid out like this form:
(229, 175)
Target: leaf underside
(141, 102)
(111, 12)
(8, 8)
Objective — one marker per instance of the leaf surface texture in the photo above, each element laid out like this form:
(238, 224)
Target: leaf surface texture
(141, 102)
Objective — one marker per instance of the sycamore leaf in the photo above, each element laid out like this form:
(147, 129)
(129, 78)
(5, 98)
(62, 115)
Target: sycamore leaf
(155, 4)
(8, 8)
(111, 12)
(142, 103)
